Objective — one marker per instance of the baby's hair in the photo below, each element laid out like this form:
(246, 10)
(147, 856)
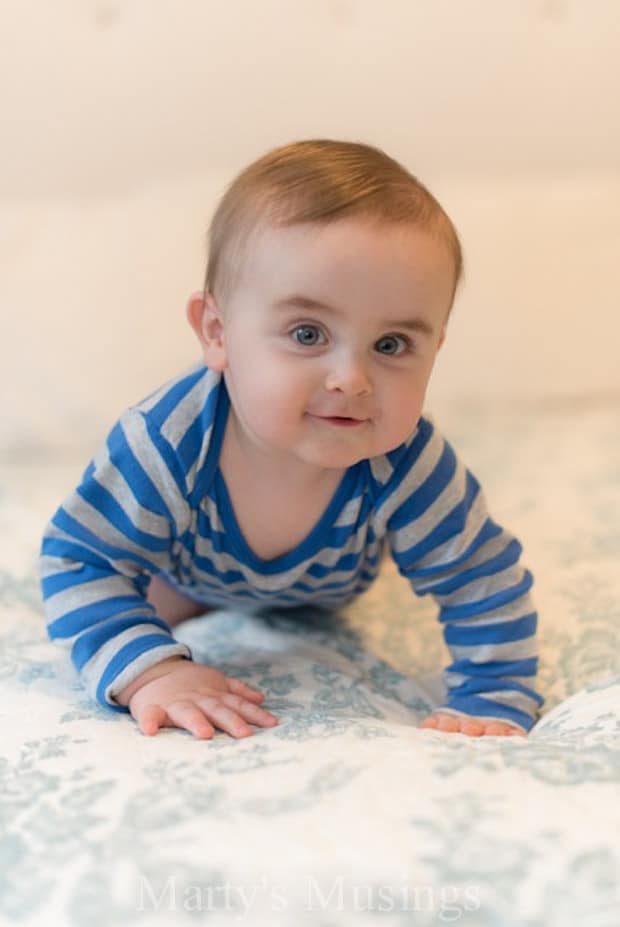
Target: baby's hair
(318, 181)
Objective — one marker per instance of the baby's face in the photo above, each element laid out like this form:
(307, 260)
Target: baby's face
(327, 322)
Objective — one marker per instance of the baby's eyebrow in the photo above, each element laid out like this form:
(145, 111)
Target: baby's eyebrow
(296, 301)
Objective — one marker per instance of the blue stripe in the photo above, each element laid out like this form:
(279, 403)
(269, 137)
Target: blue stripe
(78, 619)
(161, 411)
(101, 499)
(366, 575)
(88, 472)
(477, 686)
(527, 667)
(195, 437)
(453, 524)
(489, 530)
(401, 460)
(455, 612)
(59, 582)
(87, 645)
(140, 483)
(204, 479)
(123, 658)
(347, 563)
(477, 707)
(68, 550)
(500, 633)
(229, 577)
(281, 599)
(423, 497)
(66, 523)
(508, 557)
(407, 453)
(168, 455)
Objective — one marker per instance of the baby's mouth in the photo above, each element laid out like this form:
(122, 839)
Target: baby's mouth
(341, 420)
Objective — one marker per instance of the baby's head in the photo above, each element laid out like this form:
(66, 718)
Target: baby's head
(318, 181)
(337, 241)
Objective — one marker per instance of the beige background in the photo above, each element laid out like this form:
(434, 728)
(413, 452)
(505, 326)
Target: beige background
(123, 120)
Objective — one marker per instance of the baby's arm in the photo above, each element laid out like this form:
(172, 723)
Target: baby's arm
(445, 543)
(124, 521)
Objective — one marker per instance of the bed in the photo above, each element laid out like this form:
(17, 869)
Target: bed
(347, 812)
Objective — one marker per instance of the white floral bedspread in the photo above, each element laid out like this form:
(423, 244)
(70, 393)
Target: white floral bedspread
(346, 813)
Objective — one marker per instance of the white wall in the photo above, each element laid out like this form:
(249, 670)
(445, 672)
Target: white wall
(123, 120)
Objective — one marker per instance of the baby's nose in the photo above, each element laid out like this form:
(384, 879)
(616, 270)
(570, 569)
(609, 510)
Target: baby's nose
(348, 373)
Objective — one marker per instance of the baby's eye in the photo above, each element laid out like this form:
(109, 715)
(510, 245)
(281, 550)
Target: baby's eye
(307, 334)
(391, 340)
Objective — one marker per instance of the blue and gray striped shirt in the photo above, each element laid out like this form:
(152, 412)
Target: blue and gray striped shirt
(153, 501)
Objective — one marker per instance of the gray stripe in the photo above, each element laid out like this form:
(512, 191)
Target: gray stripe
(483, 587)
(140, 665)
(98, 524)
(513, 698)
(487, 551)
(111, 478)
(452, 548)
(381, 469)
(86, 594)
(183, 417)
(150, 459)
(518, 608)
(413, 479)
(149, 402)
(94, 668)
(187, 409)
(328, 557)
(453, 680)
(514, 650)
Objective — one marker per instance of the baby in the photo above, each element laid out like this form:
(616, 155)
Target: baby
(280, 468)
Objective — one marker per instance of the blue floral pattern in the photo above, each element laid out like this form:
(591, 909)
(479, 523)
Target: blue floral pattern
(346, 812)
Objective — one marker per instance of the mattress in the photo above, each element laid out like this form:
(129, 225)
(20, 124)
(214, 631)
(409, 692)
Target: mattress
(346, 812)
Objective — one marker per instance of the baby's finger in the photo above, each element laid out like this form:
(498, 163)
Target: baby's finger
(188, 716)
(471, 727)
(448, 723)
(223, 716)
(497, 729)
(242, 688)
(248, 710)
(430, 722)
(151, 718)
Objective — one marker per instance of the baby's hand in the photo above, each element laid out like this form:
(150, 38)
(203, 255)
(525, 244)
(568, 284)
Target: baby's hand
(180, 693)
(474, 727)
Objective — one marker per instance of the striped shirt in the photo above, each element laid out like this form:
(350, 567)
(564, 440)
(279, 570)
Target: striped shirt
(153, 501)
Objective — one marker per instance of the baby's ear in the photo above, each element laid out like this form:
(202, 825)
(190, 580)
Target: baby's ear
(205, 318)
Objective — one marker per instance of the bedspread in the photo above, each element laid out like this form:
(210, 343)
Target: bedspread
(346, 812)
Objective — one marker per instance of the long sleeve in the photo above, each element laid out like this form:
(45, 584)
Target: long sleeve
(445, 543)
(123, 522)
